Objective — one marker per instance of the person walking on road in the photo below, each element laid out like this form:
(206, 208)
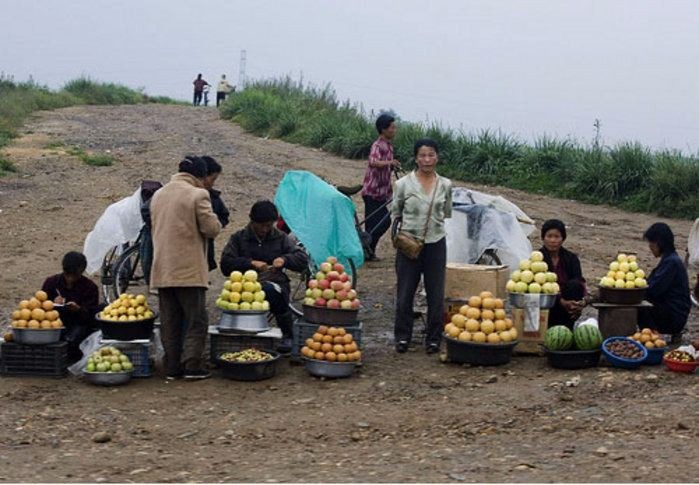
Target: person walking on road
(199, 84)
(222, 90)
(182, 220)
(377, 190)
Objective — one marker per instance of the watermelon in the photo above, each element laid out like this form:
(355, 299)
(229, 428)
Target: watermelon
(587, 337)
(558, 338)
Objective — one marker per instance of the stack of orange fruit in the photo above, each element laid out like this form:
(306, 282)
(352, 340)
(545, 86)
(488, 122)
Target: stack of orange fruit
(333, 344)
(36, 313)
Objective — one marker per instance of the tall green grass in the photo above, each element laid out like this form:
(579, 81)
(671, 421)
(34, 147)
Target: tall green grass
(628, 175)
(19, 99)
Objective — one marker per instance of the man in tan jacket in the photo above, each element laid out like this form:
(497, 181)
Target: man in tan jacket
(183, 220)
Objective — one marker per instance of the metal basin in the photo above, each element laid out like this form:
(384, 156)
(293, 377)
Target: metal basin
(250, 371)
(622, 296)
(32, 336)
(520, 300)
(243, 322)
(332, 370)
(107, 378)
(330, 316)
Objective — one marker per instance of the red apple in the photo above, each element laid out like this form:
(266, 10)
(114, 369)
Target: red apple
(339, 268)
(321, 302)
(334, 304)
(336, 285)
(344, 277)
(333, 275)
(313, 284)
(331, 259)
(341, 295)
(326, 267)
(351, 294)
(324, 284)
(355, 304)
(346, 305)
(328, 294)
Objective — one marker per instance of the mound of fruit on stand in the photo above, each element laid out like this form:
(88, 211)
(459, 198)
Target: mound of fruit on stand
(624, 273)
(108, 359)
(247, 355)
(680, 356)
(243, 292)
(483, 320)
(650, 338)
(333, 344)
(127, 308)
(331, 288)
(533, 276)
(624, 349)
(36, 313)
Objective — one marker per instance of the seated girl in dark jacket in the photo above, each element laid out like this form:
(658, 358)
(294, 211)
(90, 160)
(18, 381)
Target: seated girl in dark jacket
(668, 284)
(566, 265)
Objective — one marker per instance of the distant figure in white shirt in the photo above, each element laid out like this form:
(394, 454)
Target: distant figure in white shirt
(223, 89)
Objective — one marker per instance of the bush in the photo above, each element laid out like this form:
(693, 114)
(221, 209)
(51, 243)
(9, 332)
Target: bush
(628, 174)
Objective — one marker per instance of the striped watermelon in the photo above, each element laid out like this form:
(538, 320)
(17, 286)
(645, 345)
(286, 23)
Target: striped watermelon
(587, 337)
(558, 338)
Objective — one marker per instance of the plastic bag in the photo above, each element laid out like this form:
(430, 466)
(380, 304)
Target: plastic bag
(477, 227)
(322, 218)
(589, 321)
(693, 247)
(120, 223)
(87, 346)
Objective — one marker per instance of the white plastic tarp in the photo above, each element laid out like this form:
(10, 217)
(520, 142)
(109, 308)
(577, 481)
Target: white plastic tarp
(693, 247)
(120, 223)
(480, 222)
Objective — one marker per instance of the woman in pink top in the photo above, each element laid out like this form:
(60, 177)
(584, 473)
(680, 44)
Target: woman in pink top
(377, 190)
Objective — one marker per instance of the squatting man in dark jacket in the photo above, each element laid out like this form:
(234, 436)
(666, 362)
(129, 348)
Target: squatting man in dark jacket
(267, 250)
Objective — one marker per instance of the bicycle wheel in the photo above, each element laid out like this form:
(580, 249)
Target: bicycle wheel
(107, 274)
(128, 274)
(490, 258)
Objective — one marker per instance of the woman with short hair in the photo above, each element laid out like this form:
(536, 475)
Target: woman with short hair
(668, 284)
(566, 265)
(422, 201)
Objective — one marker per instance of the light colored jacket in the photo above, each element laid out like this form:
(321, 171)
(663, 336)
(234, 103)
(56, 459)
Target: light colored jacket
(223, 87)
(412, 204)
(182, 220)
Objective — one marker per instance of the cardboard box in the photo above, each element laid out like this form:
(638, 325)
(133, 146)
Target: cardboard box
(451, 307)
(466, 280)
(530, 334)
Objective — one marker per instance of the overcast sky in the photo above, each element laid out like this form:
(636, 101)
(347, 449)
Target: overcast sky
(526, 67)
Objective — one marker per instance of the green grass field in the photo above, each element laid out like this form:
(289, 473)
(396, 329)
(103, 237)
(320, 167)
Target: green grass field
(628, 175)
(19, 99)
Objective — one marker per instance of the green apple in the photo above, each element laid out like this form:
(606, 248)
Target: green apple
(91, 367)
(232, 307)
(630, 285)
(525, 264)
(539, 267)
(116, 368)
(521, 287)
(236, 277)
(619, 284)
(537, 256)
(256, 305)
(640, 283)
(510, 286)
(640, 273)
(551, 277)
(630, 276)
(245, 306)
(526, 276)
(614, 266)
(265, 306)
(534, 288)
(633, 266)
(260, 296)
(516, 275)
(540, 278)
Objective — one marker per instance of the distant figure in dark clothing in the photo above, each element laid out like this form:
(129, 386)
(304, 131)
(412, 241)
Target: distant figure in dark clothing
(80, 298)
(213, 170)
(199, 84)
(668, 284)
(567, 267)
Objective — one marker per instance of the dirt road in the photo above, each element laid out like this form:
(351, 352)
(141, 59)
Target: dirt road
(403, 418)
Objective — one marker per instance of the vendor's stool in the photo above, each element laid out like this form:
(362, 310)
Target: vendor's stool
(619, 319)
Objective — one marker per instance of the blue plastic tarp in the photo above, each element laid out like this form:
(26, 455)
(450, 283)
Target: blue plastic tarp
(322, 218)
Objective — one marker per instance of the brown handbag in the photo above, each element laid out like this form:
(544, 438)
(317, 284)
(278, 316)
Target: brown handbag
(409, 245)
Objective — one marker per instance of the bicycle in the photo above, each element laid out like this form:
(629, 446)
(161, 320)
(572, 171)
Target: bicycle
(121, 271)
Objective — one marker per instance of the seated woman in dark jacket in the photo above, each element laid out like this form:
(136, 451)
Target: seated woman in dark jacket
(267, 250)
(566, 265)
(668, 284)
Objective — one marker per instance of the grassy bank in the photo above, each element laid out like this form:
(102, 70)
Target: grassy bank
(628, 174)
(19, 99)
